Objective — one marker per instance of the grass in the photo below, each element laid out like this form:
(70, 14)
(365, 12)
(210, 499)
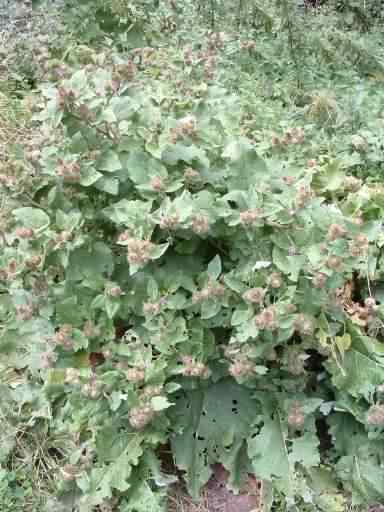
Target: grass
(180, 501)
(33, 452)
(14, 121)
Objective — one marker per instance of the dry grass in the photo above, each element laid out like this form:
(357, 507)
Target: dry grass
(14, 123)
(180, 501)
(323, 107)
(14, 113)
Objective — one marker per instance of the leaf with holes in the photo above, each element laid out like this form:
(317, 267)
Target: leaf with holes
(211, 426)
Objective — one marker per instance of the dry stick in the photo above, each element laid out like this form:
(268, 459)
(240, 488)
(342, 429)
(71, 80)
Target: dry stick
(368, 278)
(291, 41)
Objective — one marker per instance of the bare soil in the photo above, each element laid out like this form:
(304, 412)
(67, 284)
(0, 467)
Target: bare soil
(217, 498)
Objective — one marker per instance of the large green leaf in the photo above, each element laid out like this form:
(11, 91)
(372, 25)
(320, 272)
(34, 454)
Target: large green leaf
(141, 167)
(305, 450)
(144, 498)
(115, 475)
(360, 465)
(359, 374)
(109, 162)
(327, 495)
(179, 152)
(88, 262)
(289, 265)
(364, 478)
(211, 426)
(110, 185)
(245, 168)
(275, 455)
(32, 217)
(269, 454)
(127, 212)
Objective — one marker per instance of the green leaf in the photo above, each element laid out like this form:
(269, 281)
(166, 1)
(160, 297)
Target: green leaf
(116, 400)
(153, 463)
(269, 454)
(68, 221)
(109, 185)
(33, 218)
(235, 284)
(110, 443)
(90, 262)
(101, 481)
(363, 477)
(109, 162)
(289, 265)
(331, 176)
(89, 176)
(330, 501)
(343, 343)
(98, 302)
(240, 316)
(68, 311)
(78, 80)
(214, 268)
(153, 289)
(141, 167)
(111, 307)
(360, 374)
(179, 152)
(305, 450)
(246, 168)
(159, 250)
(210, 426)
(327, 496)
(107, 115)
(171, 387)
(124, 107)
(129, 213)
(209, 309)
(142, 498)
(159, 403)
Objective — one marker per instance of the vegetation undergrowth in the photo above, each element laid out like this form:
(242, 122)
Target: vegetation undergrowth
(191, 257)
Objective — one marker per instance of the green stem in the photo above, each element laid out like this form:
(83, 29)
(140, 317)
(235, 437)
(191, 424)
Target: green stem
(213, 14)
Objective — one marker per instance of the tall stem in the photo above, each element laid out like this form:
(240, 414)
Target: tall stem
(291, 41)
(213, 14)
(240, 8)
